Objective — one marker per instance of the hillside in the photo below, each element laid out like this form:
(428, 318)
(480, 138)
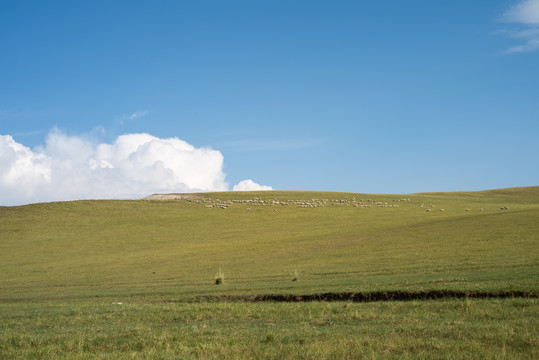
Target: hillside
(171, 249)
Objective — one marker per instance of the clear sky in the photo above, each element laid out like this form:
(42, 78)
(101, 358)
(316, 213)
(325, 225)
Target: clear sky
(104, 99)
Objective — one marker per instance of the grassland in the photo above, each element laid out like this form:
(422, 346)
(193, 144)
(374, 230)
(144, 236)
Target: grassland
(64, 265)
(425, 329)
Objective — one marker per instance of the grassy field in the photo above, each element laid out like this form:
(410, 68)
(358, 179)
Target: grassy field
(425, 329)
(64, 265)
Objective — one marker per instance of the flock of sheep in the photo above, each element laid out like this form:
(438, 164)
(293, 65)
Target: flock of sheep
(312, 203)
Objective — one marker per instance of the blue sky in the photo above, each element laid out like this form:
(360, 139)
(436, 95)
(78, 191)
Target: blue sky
(361, 96)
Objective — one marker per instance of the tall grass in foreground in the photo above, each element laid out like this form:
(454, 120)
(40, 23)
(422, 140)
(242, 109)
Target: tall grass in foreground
(411, 330)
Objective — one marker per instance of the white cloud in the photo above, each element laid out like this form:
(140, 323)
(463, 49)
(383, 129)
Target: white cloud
(22, 172)
(250, 185)
(137, 114)
(133, 166)
(127, 117)
(530, 45)
(526, 14)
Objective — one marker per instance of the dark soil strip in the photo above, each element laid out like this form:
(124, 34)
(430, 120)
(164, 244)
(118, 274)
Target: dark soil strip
(371, 296)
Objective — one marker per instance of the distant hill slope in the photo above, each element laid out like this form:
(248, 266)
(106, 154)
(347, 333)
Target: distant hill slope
(528, 193)
(485, 240)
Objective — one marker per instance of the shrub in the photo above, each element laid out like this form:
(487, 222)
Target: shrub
(219, 277)
(296, 275)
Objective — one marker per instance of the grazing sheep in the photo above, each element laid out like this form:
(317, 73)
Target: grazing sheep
(467, 210)
(428, 210)
(442, 210)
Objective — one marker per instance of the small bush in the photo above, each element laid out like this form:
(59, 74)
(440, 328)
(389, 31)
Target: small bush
(296, 275)
(270, 337)
(219, 277)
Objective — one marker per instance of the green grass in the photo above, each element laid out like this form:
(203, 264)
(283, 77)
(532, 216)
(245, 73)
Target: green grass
(425, 329)
(174, 248)
(62, 265)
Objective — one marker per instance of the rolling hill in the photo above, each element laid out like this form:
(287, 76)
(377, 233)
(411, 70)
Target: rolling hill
(335, 242)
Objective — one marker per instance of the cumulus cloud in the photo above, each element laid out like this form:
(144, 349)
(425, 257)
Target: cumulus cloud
(22, 172)
(133, 166)
(526, 15)
(250, 185)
